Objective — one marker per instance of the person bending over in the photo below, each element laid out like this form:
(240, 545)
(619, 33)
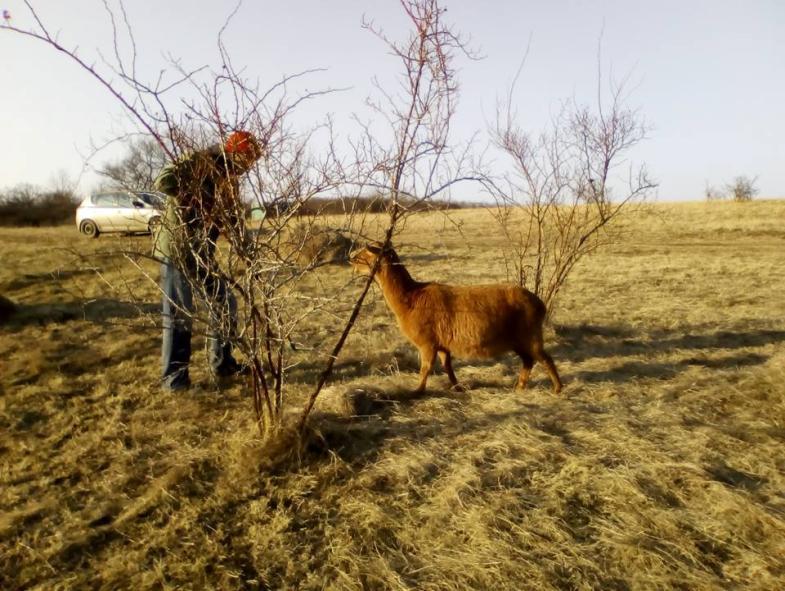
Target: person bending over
(203, 190)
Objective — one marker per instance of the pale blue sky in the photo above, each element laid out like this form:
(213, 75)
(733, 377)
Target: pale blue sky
(709, 76)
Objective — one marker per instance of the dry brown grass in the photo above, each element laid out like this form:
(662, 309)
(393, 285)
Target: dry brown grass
(660, 466)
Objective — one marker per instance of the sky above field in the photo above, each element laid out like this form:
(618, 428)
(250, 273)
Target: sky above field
(708, 76)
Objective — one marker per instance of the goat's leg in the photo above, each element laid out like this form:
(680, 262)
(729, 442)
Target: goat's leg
(427, 357)
(446, 360)
(523, 376)
(546, 360)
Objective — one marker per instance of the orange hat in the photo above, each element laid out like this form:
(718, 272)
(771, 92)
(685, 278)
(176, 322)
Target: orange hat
(242, 142)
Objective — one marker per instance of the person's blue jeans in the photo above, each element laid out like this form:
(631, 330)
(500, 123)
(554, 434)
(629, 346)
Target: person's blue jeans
(178, 308)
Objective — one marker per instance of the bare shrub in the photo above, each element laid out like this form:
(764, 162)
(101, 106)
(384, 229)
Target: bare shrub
(742, 188)
(566, 187)
(713, 194)
(137, 170)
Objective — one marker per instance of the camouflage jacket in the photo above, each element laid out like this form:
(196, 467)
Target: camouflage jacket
(203, 201)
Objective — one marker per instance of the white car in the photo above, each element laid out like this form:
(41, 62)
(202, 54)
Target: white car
(120, 211)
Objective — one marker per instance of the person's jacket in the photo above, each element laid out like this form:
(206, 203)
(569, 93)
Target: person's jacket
(203, 202)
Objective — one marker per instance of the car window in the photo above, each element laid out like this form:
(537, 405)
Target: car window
(150, 199)
(123, 200)
(105, 200)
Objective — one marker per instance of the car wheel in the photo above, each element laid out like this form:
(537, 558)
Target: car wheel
(154, 224)
(89, 228)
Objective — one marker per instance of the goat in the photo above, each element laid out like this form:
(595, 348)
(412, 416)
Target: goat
(477, 321)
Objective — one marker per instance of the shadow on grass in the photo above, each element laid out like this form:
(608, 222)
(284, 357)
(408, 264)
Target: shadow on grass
(586, 341)
(382, 415)
(102, 310)
(734, 478)
(656, 370)
(29, 279)
(714, 350)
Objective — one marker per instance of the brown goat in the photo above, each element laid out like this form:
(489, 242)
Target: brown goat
(468, 321)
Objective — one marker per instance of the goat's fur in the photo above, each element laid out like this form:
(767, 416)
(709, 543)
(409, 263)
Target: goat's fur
(467, 321)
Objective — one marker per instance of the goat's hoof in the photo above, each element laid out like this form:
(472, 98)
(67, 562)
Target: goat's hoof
(458, 388)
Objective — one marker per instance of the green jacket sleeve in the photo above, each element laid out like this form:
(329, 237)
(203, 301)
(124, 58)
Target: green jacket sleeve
(167, 181)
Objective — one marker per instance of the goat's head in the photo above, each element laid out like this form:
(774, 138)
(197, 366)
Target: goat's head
(364, 259)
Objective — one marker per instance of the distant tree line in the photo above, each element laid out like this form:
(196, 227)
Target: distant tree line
(371, 204)
(27, 205)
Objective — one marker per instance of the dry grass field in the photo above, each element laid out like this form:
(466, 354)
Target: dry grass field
(660, 466)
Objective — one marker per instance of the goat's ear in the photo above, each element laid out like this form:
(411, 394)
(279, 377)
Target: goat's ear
(374, 247)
